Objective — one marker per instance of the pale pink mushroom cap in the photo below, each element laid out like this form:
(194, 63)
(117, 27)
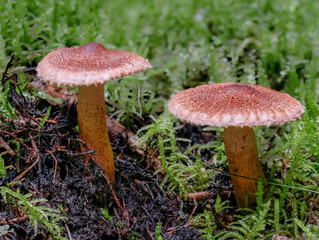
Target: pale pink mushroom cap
(90, 64)
(236, 105)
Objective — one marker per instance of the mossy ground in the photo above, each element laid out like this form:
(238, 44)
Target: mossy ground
(189, 43)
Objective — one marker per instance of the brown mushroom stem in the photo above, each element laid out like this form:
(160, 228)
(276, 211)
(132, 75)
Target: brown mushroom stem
(92, 125)
(242, 155)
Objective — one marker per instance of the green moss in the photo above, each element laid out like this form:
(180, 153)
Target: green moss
(270, 43)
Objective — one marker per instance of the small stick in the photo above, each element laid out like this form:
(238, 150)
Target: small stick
(171, 230)
(27, 69)
(139, 100)
(195, 208)
(271, 138)
(55, 166)
(4, 131)
(116, 214)
(116, 128)
(69, 232)
(12, 221)
(117, 200)
(26, 171)
(51, 121)
(218, 221)
(197, 195)
(6, 146)
(5, 73)
(35, 151)
(118, 108)
(149, 233)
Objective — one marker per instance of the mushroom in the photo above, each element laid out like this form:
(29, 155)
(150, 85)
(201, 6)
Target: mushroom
(237, 108)
(88, 67)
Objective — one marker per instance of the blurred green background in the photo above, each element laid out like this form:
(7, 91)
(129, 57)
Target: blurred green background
(268, 42)
(193, 42)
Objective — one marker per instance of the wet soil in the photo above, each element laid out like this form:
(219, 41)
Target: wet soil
(51, 158)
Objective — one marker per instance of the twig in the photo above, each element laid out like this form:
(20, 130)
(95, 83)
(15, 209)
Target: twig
(4, 145)
(27, 69)
(13, 221)
(26, 171)
(127, 217)
(117, 216)
(197, 195)
(69, 232)
(117, 108)
(271, 138)
(139, 100)
(36, 152)
(55, 166)
(171, 230)
(218, 221)
(195, 207)
(5, 73)
(4, 131)
(149, 233)
(24, 113)
(116, 129)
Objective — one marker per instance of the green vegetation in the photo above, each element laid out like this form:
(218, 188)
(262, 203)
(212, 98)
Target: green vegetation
(35, 210)
(189, 43)
(158, 232)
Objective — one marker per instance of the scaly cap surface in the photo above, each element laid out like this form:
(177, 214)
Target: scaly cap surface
(233, 104)
(90, 64)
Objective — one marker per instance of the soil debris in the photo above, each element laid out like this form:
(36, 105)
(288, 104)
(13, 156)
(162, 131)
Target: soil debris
(42, 152)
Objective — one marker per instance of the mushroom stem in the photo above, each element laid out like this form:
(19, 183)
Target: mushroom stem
(92, 125)
(242, 155)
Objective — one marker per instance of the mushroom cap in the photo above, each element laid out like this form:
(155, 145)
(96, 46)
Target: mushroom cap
(90, 64)
(237, 105)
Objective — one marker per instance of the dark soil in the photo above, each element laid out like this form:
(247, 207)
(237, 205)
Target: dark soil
(136, 203)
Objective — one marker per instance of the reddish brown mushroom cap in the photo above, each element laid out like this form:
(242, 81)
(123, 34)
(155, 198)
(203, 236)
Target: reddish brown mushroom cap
(88, 67)
(233, 104)
(90, 64)
(237, 108)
